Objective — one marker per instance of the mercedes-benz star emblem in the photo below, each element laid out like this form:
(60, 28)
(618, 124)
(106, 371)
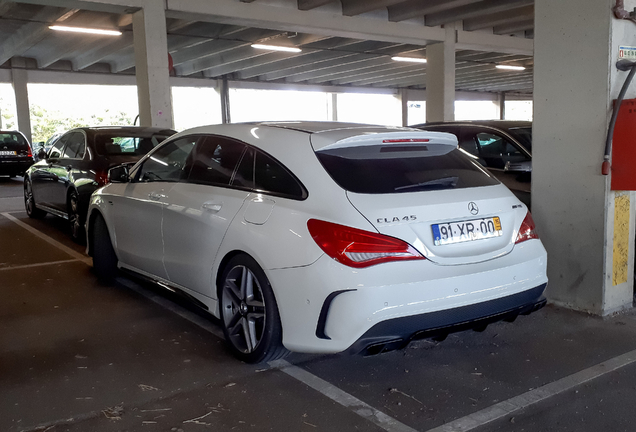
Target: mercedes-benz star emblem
(472, 208)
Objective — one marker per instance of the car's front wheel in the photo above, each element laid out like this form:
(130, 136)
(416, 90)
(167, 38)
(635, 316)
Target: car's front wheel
(249, 313)
(104, 257)
(29, 202)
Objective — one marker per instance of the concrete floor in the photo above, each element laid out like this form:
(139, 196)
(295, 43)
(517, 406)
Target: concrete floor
(78, 356)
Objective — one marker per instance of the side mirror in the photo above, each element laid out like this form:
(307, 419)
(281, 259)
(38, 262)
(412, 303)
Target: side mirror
(41, 154)
(118, 174)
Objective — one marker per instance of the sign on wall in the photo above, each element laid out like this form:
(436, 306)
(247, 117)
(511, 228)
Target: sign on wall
(626, 53)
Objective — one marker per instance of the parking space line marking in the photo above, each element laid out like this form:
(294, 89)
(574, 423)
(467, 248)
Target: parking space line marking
(37, 264)
(332, 392)
(343, 398)
(78, 256)
(505, 408)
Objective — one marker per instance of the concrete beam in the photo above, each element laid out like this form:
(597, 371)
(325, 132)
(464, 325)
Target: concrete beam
(306, 5)
(285, 18)
(495, 43)
(501, 18)
(288, 19)
(30, 33)
(364, 76)
(357, 7)
(244, 59)
(98, 52)
(514, 27)
(358, 62)
(339, 59)
(417, 8)
(485, 7)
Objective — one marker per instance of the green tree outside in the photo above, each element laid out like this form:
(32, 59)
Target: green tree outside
(45, 123)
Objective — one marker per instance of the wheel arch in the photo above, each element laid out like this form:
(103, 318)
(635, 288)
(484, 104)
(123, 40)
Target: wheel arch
(223, 264)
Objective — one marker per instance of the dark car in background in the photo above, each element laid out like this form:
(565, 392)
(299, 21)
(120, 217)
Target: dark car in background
(502, 146)
(15, 153)
(62, 182)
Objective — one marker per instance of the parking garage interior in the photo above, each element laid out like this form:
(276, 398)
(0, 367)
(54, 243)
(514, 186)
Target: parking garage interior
(77, 355)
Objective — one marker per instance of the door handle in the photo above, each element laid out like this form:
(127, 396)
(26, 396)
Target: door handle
(212, 206)
(156, 196)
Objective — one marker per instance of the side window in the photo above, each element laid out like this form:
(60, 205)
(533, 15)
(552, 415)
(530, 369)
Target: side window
(171, 162)
(215, 159)
(56, 150)
(76, 145)
(497, 150)
(272, 177)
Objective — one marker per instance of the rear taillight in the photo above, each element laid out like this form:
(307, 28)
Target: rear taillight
(527, 230)
(101, 177)
(358, 248)
(29, 153)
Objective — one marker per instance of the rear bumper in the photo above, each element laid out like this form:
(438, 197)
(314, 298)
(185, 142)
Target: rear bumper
(327, 308)
(14, 167)
(397, 333)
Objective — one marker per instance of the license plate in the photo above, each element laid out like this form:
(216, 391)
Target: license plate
(458, 232)
(7, 153)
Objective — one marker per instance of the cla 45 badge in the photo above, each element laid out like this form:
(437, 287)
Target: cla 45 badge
(397, 219)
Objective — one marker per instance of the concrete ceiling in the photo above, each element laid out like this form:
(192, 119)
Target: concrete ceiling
(343, 42)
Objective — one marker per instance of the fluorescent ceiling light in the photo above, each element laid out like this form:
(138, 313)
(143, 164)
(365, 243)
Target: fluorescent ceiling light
(510, 67)
(276, 48)
(409, 59)
(86, 30)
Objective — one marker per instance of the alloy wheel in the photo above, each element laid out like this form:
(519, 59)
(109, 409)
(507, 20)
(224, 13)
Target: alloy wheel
(28, 198)
(74, 216)
(243, 309)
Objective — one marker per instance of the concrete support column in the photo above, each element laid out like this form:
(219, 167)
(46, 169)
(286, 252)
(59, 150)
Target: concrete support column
(404, 102)
(502, 106)
(440, 78)
(586, 228)
(151, 65)
(19, 79)
(225, 101)
(332, 106)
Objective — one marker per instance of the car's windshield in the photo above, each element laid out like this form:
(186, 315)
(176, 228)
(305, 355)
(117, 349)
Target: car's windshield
(12, 141)
(387, 169)
(112, 145)
(523, 135)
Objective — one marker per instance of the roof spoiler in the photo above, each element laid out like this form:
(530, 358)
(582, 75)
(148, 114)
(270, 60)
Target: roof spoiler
(393, 138)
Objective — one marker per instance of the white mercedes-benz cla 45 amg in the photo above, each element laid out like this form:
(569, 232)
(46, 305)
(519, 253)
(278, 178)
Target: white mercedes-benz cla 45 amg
(322, 237)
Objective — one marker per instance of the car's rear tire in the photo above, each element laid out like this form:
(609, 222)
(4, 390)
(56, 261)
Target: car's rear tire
(29, 202)
(75, 218)
(249, 314)
(104, 257)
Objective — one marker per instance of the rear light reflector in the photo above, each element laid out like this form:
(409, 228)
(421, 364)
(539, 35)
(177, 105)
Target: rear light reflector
(358, 248)
(527, 230)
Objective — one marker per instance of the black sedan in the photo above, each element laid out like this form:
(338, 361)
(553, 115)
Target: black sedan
(502, 146)
(15, 153)
(62, 182)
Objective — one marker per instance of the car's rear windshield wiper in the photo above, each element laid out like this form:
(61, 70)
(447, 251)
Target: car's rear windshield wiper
(443, 183)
